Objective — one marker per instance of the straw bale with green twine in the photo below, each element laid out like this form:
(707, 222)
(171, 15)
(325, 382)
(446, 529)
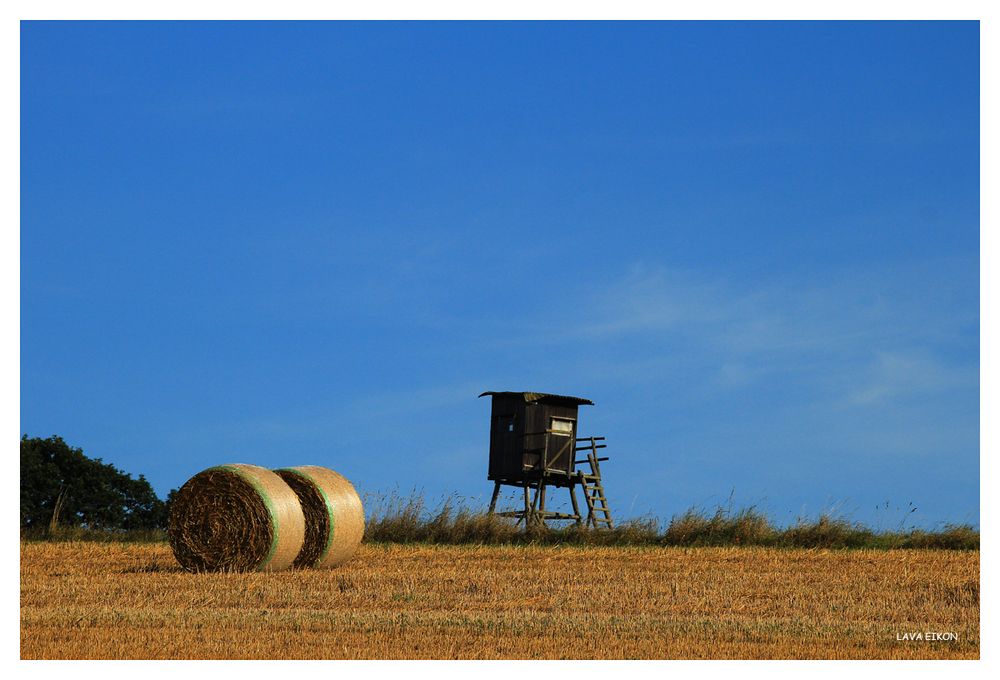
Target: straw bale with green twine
(335, 518)
(236, 518)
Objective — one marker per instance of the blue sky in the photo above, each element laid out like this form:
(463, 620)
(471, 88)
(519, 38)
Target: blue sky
(754, 245)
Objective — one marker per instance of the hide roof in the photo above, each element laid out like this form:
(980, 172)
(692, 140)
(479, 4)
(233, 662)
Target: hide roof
(543, 398)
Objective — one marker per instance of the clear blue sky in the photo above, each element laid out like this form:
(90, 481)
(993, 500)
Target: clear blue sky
(754, 245)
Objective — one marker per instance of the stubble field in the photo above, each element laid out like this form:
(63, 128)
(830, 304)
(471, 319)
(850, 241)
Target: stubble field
(126, 601)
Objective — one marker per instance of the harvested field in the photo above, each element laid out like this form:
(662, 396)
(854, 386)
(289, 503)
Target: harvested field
(123, 601)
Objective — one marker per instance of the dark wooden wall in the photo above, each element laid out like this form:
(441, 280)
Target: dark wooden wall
(510, 449)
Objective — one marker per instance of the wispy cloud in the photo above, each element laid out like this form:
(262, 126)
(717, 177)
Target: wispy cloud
(858, 336)
(894, 375)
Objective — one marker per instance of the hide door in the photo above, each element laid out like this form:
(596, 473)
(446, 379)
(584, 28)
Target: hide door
(561, 440)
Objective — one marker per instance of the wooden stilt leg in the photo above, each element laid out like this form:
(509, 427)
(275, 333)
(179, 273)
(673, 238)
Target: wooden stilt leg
(541, 503)
(527, 507)
(576, 508)
(534, 505)
(493, 501)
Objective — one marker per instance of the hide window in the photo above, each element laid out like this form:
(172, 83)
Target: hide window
(561, 426)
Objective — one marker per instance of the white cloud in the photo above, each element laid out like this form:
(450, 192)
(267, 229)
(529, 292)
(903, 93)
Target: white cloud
(855, 336)
(895, 374)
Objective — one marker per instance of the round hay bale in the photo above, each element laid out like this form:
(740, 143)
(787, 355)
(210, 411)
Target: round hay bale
(335, 520)
(236, 518)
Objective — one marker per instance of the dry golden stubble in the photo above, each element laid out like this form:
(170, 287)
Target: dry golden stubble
(114, 600)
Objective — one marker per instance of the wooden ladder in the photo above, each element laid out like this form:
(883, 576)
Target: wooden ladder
(598, 512)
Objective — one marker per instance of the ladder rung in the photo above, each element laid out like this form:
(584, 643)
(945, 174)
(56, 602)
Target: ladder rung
(598, 512)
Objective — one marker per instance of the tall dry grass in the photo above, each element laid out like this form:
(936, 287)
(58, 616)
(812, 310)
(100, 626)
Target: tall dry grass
(398, 519)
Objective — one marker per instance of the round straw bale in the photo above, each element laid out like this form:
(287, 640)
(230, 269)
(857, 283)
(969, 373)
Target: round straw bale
(236, 518)
(335, 520)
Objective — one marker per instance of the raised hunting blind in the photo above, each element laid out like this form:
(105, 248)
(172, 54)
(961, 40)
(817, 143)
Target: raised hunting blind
(534, 444)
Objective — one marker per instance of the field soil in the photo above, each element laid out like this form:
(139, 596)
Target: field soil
(132, 601)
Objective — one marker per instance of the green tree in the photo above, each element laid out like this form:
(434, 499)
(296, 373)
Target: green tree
(61, 485)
